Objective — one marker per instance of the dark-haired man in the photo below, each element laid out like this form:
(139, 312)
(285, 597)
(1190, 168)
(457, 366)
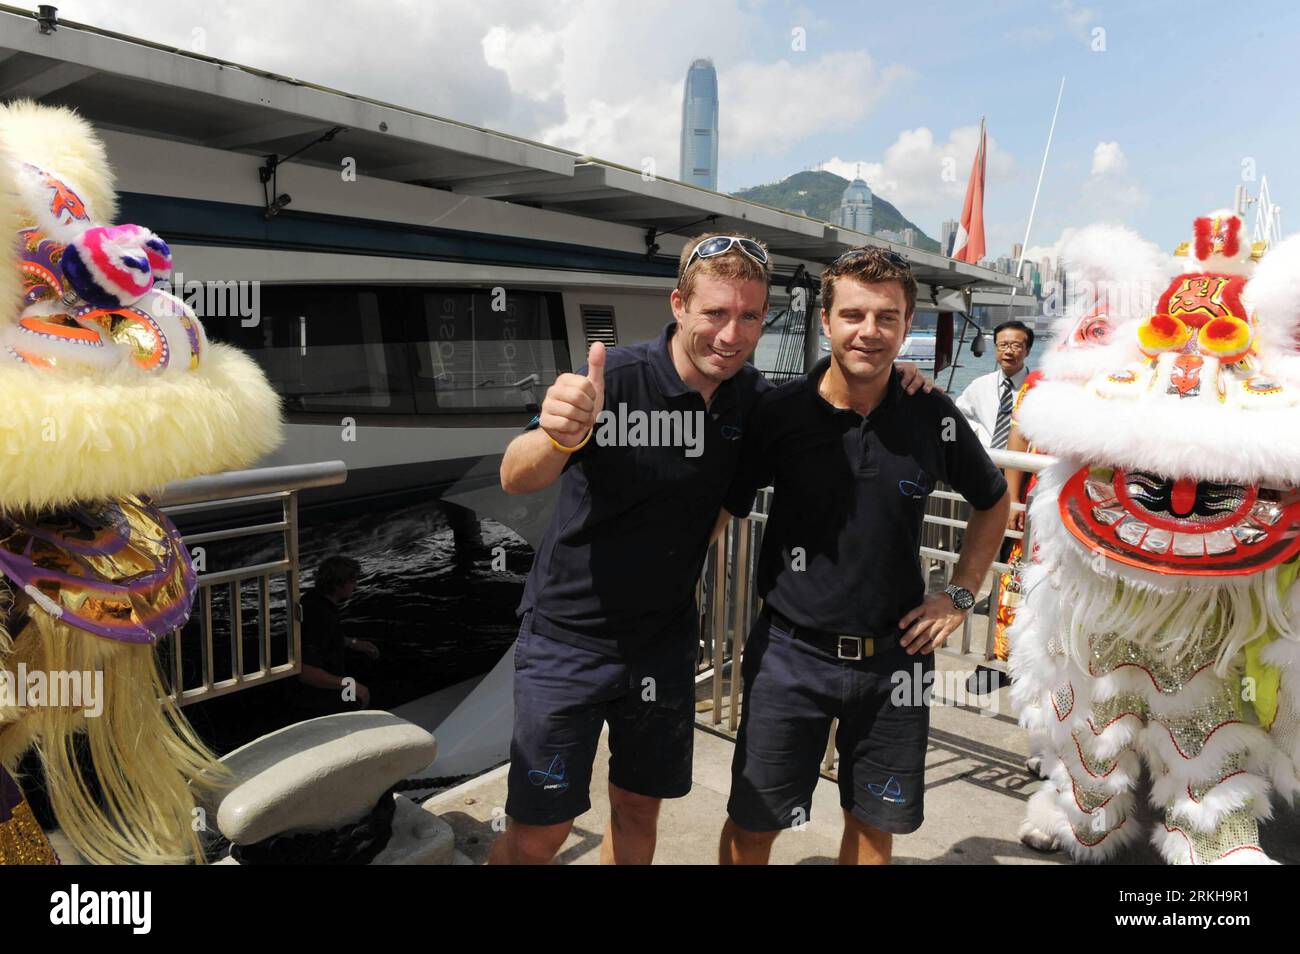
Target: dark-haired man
(847, 631)
(988, 400)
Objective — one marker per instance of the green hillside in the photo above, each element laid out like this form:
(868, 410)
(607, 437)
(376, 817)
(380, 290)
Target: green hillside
(818, 194)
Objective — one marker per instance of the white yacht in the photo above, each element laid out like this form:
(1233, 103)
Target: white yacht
(419, 281)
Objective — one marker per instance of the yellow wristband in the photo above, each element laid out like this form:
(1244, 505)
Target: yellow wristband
(569, 450)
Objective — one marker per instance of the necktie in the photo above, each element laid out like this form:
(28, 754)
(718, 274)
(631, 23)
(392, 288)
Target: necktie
(1003, 429)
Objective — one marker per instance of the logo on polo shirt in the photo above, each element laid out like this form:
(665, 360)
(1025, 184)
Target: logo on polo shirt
(916, 489)
(624, 428)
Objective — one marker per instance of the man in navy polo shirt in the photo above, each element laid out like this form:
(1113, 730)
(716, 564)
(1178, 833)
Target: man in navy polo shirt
(645, 441)
(847, 630)
(609, 629)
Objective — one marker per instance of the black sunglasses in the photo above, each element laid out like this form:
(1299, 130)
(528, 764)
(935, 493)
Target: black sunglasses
(722, 244)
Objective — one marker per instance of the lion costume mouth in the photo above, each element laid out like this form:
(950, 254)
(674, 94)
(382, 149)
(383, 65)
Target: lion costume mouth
(1181, 527)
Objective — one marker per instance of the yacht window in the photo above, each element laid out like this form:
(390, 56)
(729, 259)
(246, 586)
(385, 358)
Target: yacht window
(485, 349)
(328, 348)
(403, 350)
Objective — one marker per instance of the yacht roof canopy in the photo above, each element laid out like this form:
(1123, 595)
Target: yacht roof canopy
(133, 85)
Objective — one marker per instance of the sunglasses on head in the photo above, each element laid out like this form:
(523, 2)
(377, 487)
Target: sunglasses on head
(889, 255)
(722, 244)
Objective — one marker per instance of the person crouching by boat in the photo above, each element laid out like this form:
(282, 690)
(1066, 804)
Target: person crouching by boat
(609, 629)
(324, 684)
(847, 631)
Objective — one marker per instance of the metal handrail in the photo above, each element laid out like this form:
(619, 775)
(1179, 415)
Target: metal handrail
(239, 485)
(244, 488)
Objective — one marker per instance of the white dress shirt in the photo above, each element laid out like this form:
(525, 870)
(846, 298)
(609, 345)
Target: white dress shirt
(979, 402)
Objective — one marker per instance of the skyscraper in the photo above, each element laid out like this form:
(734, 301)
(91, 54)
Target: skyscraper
(857, 210)
(699, 155)
(947, 232)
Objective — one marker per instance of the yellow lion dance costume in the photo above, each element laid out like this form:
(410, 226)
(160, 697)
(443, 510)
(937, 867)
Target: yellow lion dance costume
(108, 389)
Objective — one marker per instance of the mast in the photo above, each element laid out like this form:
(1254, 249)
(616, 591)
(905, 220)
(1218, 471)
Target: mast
(1024, 246)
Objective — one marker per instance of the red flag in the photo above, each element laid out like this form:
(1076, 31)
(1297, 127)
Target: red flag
(968, 246)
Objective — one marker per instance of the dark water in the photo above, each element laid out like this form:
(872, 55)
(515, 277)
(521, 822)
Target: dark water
(438, 611)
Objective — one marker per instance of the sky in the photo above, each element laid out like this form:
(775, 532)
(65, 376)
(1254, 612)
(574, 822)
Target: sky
(1167, 106)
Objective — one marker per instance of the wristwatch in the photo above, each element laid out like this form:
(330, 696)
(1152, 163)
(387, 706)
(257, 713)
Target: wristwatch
(962, 598)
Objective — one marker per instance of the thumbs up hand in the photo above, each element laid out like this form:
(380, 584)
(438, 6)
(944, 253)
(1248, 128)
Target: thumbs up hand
(573, 402)
(596, 371)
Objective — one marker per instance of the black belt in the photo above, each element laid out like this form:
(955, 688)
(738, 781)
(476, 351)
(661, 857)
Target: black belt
(840, 645)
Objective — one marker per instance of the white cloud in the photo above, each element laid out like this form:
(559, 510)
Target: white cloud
(1040, 25)
(769, 106)
(1108, 159)
(531, 59)
(924, 177)
(421, 55)
(1077, 19)
(644, 126)
(1111, 191)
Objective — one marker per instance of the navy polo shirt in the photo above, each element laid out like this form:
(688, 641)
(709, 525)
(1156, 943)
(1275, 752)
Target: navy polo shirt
(618, 565)
(840, 550)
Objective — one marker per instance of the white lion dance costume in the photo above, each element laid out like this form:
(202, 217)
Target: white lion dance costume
(108, 390)
(1161, 618)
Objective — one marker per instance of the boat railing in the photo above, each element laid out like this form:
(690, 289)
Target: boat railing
(730, 571)
(248, 574)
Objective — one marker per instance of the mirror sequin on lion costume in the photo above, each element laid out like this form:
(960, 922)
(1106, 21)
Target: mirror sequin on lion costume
(1161, 617)
(109, 389)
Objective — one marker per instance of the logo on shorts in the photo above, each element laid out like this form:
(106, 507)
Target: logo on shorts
(552, 778)
(891, 791)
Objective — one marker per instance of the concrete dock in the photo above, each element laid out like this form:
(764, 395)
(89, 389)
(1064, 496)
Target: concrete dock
(976, 788)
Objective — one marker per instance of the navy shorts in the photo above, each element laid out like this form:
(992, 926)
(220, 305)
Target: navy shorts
(564, 695)
(792, 692)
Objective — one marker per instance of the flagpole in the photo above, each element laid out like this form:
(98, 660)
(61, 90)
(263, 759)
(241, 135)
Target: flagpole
(1024, 246)
(968, 221)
